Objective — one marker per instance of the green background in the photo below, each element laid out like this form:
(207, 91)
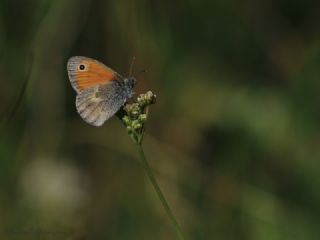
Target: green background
(233, 139)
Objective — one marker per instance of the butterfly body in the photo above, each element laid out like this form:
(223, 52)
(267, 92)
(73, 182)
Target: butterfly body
(100, 91)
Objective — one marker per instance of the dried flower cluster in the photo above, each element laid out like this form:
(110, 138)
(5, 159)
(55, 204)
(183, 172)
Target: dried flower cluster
(134, 115)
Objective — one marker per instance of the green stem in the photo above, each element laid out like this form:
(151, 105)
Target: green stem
(159, 192)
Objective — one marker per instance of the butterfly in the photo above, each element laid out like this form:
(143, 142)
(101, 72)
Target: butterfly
(101, 91)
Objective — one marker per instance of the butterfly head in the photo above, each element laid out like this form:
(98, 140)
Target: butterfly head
(130, 82)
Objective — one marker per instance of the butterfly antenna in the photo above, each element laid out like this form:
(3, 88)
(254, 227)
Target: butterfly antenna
(131, 66)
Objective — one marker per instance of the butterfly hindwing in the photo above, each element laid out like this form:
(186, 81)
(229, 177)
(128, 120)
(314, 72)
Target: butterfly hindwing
(97, 104)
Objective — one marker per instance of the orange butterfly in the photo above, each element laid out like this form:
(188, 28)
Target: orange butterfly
(100, 91)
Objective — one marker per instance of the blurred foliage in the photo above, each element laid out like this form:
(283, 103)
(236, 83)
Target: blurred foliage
(233, 139)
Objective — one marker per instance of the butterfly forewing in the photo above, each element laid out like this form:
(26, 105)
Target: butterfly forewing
(86, 72)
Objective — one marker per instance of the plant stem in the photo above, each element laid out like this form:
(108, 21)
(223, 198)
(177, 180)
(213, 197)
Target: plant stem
(159, 192)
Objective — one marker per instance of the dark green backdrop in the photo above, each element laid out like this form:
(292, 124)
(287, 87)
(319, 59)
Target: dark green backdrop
(234, 138)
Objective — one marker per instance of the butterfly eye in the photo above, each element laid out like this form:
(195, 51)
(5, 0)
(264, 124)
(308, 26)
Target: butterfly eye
(82, 67)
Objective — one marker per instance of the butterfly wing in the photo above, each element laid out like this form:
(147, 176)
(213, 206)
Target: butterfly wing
(86, 72)
(97, 104)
